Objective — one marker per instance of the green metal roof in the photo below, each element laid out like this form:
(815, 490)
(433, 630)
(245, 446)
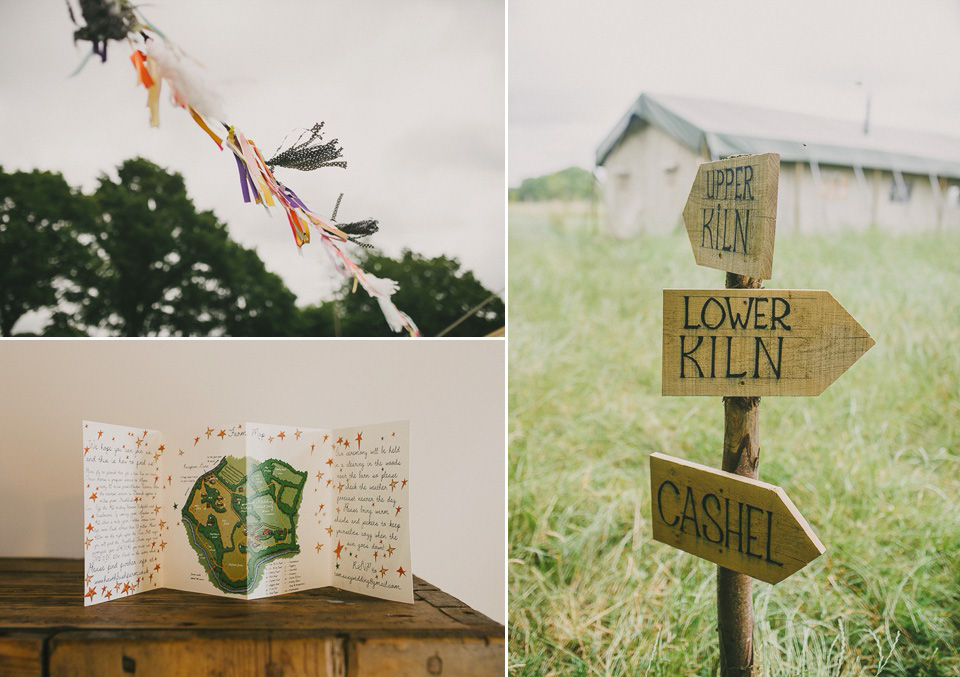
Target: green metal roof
(725, 129)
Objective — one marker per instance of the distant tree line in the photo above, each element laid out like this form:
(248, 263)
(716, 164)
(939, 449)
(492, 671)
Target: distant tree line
(135, 258)
(569, 184)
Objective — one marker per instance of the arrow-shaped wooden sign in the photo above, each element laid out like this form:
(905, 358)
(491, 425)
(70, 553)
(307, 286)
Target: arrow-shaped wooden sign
(756, 342)
(739, 523)
(731, 214)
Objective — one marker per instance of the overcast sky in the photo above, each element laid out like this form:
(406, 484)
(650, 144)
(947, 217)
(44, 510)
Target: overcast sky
(576, 67)
(414, 90)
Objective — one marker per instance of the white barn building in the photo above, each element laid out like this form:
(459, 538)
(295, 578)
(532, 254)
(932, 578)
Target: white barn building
(832, 174)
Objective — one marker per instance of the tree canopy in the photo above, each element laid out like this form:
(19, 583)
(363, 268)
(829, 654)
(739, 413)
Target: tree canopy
(573, 183)
(435, 292)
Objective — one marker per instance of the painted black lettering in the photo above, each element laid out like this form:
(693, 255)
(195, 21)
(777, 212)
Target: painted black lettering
(726, 218)
(689, 356)
(741, 227)
(726, 521)
(686, 314)
(736, 319)
(757, 314)
(729, 181)
(703, 313)
(774, 317)
(747, 177)
(713, 357)
(770, 539)
(706, 510)
(711, 182)
(729, 351)
(706, 228)
(660, 502)
(692, 504)
(756, 362)
(737, 195)
(750, 538)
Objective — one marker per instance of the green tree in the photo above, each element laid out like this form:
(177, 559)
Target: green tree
(41, 255)
(573, 183)
(164, 268)
(434, 292)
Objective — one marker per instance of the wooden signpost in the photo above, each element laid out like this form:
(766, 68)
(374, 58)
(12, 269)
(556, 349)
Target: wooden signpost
(741, 343)
(755, 342)
(739, 523)
(731, 214)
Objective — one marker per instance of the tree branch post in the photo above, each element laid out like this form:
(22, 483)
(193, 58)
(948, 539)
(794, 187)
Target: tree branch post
(741, 456)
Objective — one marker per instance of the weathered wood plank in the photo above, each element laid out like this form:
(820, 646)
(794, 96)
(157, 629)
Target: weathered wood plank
(47, 595)
(117, 653)
(740, 523)
(21, 655)
(466, 657)
(731, 214)
(756, 342)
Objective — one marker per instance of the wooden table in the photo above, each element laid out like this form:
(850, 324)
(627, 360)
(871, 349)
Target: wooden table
(45, 629)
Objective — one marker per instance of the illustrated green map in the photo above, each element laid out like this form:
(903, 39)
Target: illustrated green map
(241, 515)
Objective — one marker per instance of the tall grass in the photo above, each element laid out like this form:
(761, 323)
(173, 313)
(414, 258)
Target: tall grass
(873, 463)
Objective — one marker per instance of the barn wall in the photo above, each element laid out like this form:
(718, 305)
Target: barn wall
(649, 176)
(650, 173)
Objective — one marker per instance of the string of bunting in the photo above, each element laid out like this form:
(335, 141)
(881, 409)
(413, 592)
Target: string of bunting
(156, 59)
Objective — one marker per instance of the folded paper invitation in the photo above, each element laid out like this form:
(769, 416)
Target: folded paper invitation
(246, 510)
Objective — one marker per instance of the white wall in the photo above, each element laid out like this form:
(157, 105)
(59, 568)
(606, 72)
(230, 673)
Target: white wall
(649, 175)
(452, 391)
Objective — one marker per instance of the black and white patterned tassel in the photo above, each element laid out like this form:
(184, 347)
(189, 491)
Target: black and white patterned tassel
(307, 157)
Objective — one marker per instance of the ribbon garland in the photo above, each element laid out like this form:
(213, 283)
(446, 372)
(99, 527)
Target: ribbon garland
(108, 19)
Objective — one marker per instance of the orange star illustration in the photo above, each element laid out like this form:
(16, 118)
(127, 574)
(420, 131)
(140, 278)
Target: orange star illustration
(161, 448)
(181, 450)
(209, 432)
(326, 437)
(398, 511)
(144, 433)
(319, 475)
(116, 587)
(156, 479)
(393, 434)
(89, 577)
(163, 544)
(346, 443)
(329, 531)
(151, 578)
(359, 439)
(156, 456)
(282, 435)
(339, 440)
(340, 487)
(222, 433)
(393, 485)
(338, 549)
(329, 461)
(375, 553)
(156, 568)
(169, 479)
(103, 590)
(403, 484)
(383, 571)
(89, 527)
(156, 509)
(298, 433)
(390, 550)
(270, 439)
(311, 448)
(321, 507)
(319, 546)
(109, 594)
(195, 440)
(126, 588)
(90, 593)
(87, 542)
(93, 497)
(401, 571)
(239, 426)
(162, 523)
(85, 450)
(329, 482)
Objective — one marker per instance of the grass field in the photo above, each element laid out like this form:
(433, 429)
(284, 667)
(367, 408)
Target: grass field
(873, 463)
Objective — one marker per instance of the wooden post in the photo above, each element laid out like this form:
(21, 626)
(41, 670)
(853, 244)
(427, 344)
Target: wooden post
(741, 456)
